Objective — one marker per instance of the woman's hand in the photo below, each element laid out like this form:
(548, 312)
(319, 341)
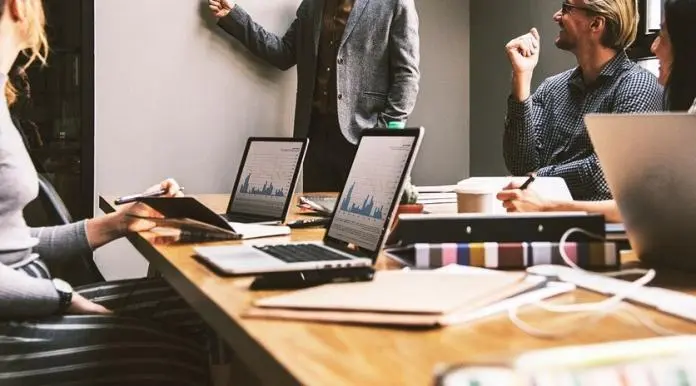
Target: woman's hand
(133, 224)
(107, 228)
(80, 305)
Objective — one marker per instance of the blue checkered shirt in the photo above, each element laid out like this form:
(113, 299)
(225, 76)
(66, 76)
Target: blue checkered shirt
(546, 133)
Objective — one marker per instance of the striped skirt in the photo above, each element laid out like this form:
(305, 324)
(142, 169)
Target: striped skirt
(153, 338)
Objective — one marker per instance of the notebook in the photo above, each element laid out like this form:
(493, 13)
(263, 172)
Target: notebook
(396, 298)
(357, 230)
(190, 208)
(266, 180)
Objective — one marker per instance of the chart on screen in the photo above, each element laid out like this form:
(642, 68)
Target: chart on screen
(266, 178)
(370, 190)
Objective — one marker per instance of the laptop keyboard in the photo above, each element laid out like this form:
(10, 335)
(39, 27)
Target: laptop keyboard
(241, 218)
(296, 253)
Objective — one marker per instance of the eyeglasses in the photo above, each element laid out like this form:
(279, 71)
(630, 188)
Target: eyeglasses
(566, 7)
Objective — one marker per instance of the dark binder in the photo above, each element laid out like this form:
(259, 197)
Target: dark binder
(472, 228)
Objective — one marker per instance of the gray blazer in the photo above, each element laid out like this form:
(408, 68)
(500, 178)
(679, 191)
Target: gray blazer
(377, 65)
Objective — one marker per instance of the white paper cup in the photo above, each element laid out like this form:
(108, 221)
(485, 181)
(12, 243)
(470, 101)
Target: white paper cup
(475, 200)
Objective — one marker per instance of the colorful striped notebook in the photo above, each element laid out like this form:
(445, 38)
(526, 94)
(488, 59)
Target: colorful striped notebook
(590, 255)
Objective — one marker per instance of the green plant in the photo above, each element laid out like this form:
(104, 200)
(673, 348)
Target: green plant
(410, 193)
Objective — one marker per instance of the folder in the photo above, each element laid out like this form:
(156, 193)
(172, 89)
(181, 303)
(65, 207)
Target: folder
(520, 255)
(188, 209)
(396, 298)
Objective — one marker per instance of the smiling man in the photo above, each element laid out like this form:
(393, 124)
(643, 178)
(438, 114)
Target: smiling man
(544, 131)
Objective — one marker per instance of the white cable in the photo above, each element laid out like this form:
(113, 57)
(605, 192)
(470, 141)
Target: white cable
(594, 310)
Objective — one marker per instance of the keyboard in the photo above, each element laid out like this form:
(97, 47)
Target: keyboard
(297, 253)
(241, 218)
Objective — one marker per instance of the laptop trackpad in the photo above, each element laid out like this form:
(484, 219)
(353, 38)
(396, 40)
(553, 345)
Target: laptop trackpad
(235, 258)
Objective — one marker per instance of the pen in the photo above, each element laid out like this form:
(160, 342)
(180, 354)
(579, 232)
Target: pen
(135, 197)
(529, 181)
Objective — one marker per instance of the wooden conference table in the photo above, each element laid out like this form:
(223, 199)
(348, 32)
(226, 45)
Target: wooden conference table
(289, 352)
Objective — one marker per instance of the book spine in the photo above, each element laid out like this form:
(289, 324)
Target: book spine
(516, 255)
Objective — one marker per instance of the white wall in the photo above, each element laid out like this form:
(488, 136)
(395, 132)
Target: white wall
(177, 97)
(174, 98)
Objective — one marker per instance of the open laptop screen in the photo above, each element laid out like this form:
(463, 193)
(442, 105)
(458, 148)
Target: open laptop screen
(267, 177)
(373, 185)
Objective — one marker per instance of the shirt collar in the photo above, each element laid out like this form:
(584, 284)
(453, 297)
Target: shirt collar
(617, 64)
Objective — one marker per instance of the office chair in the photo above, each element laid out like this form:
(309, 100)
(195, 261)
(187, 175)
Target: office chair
(50, 210)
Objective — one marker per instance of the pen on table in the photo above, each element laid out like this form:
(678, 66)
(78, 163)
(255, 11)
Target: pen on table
(135, 197)
(529, 181)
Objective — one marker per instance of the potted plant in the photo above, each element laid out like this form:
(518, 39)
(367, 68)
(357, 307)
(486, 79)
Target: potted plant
(409, 199)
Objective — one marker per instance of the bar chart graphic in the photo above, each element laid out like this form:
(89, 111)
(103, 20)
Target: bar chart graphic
(365, 208)
(266, 190)
(266, 178)
(371, 189)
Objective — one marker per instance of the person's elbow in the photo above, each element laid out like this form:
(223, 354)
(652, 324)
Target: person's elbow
(284, 59)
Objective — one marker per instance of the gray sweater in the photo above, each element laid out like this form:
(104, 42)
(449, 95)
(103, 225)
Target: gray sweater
(22, 296)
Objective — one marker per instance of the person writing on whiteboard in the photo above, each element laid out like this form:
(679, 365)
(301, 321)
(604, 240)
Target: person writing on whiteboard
(676, 53)
(544, 131)
(357, 68)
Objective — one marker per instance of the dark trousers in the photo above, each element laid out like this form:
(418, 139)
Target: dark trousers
(329, 155)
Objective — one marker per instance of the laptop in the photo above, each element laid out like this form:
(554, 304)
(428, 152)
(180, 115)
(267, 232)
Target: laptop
(360, 220)
(266, 180)
(650, 165)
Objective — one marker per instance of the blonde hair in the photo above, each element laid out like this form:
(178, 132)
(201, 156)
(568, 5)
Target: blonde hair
(622, 21)
(36, 43)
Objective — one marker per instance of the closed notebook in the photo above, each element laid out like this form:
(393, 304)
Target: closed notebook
(394, 298)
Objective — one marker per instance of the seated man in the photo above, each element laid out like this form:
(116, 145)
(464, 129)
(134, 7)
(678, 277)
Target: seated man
(675, 51)
(545, 132)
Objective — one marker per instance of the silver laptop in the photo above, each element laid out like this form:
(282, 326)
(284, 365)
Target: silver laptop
(266, 180)
(361, 218)
(649, 161)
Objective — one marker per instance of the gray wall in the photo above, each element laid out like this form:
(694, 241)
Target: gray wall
(443, 103)
(493, 24)
(176, 97)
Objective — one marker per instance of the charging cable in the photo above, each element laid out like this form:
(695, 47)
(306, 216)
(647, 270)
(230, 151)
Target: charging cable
(594, 311)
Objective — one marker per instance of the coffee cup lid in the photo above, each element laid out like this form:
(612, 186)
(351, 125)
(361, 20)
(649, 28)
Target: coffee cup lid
(474, 189)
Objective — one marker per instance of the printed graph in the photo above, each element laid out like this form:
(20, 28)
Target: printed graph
(266, 178)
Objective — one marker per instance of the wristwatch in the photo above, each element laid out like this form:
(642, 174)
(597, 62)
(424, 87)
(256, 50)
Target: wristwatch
(65, 293)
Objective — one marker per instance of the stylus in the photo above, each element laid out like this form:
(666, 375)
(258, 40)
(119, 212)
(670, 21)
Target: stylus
(135, 197)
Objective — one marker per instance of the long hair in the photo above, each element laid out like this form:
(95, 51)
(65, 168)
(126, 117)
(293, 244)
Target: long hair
(36, 43)
(680, 20)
